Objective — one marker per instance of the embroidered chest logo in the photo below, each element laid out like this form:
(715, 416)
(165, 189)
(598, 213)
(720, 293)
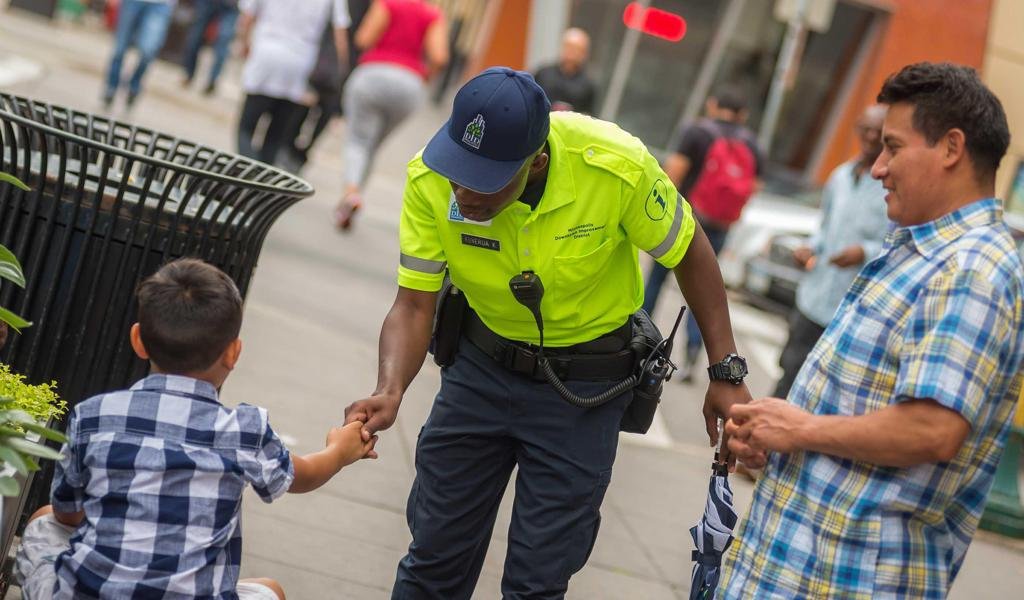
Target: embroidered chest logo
(474, 132)
(583, 230)
(657, 202)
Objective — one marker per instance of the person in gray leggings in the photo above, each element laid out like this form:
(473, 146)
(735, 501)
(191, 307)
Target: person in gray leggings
(377, 98)
(404, 43)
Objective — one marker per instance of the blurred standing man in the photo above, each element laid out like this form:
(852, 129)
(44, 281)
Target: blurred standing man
(879, 466)
(143, 24)
(715, 167)
(566, 82)
(853, 225)
(506, 190)
(225, 14)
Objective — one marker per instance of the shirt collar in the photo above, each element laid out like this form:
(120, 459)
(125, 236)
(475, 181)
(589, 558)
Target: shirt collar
(559, 189)
(929, 238)
(178, 385)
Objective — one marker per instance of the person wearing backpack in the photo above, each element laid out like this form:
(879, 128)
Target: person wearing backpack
(716, 168)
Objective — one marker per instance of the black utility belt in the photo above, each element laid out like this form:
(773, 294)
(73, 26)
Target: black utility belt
(596, 360)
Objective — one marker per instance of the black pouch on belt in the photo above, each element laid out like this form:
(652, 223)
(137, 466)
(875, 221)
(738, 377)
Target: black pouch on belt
(647, 394)
(448, 319)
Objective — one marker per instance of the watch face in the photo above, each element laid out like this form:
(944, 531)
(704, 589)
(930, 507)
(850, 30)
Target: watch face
(737, 367)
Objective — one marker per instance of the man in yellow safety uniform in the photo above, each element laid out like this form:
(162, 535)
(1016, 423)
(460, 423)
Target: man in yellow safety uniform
(506, 191)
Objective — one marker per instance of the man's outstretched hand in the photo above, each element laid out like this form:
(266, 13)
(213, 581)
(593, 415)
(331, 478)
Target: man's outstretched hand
(377, 413)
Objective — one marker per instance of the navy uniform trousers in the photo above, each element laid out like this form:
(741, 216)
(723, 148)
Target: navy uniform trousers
(485, 421)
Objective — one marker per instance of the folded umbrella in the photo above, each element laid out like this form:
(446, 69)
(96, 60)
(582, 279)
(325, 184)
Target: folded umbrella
(712, 534)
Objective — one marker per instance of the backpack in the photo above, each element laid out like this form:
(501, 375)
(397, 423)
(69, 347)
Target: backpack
(726, 180)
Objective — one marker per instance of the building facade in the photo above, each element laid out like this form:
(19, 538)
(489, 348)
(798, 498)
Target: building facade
(651, 86)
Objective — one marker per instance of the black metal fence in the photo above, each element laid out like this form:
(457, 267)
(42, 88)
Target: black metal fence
(109, 203)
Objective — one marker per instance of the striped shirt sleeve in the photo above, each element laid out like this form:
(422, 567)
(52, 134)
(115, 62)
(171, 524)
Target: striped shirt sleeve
(958, 330)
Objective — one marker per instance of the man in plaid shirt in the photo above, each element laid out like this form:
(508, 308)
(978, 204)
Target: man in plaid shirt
(879, 464)
(146, 499)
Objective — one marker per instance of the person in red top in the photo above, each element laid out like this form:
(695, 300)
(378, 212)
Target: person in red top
(404, 43)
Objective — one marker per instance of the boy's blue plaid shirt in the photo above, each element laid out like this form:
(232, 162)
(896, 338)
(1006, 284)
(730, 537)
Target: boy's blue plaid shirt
(159, 470)
(938, 315)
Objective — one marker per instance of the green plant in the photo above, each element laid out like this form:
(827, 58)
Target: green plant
(24, 408)
(40, 401)
(10, 268)
(16, 449)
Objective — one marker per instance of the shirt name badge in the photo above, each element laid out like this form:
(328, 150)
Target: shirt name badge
(455, 216)
(481, 242)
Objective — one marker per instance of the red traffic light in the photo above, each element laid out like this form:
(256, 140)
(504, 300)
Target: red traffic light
(653, 21)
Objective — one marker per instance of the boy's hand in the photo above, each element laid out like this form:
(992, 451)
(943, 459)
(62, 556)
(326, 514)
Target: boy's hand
(348, 443)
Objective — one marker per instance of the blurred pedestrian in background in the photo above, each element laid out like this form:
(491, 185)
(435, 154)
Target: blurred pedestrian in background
(404, 42)
(327, 80)
(566, 82)
(142, 24)
(853, 225)
(880, 462)
(281, 40)
(223, 13)
(715, 167)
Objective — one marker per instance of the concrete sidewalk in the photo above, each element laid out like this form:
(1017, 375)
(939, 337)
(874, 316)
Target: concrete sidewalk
(310, 333)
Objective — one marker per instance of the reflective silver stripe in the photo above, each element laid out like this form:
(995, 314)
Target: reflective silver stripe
(670, 239)
(422, 265)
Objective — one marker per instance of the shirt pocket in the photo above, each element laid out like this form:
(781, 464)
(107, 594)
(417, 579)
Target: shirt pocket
(577, 277)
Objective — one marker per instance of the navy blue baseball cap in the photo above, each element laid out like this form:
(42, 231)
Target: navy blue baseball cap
(499, 119)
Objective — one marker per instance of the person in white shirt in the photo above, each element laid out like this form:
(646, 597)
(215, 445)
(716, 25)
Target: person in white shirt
(281, 40)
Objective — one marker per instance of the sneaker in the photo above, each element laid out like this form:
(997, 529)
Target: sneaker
(108, 100)
(209, 90)
(132, 97)
(346, 211)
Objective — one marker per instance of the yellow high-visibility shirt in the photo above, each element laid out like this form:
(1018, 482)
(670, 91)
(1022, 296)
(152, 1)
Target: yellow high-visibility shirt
(605, 197)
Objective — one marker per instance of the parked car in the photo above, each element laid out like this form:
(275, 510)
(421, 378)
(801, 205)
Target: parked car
(757, 256)
(774, 274)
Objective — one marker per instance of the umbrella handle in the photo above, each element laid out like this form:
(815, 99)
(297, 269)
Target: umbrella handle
(717, 465)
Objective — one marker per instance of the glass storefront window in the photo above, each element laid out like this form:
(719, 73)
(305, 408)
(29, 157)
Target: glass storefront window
(663, 73)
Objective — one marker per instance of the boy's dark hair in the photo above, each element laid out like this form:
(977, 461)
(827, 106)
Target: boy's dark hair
(947, 96)
(189, 312)
(730, 97)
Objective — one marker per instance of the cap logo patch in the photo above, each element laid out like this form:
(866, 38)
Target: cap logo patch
(474, 132)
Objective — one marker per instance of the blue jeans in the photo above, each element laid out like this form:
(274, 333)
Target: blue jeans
(485, 421)
(208, 11)
(143, 25)
(656, 278)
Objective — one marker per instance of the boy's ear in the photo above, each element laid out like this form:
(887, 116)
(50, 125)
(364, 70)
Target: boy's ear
(229, 358)
(136, 338)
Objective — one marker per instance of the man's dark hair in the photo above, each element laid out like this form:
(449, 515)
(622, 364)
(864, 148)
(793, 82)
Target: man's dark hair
(730, 97)
(189, 312)
(947, 96)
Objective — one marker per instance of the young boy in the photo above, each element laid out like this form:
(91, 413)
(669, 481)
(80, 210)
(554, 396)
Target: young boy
(146, 499)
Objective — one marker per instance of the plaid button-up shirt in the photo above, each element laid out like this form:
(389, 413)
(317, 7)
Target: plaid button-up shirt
(159, 471)
(937, 315)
